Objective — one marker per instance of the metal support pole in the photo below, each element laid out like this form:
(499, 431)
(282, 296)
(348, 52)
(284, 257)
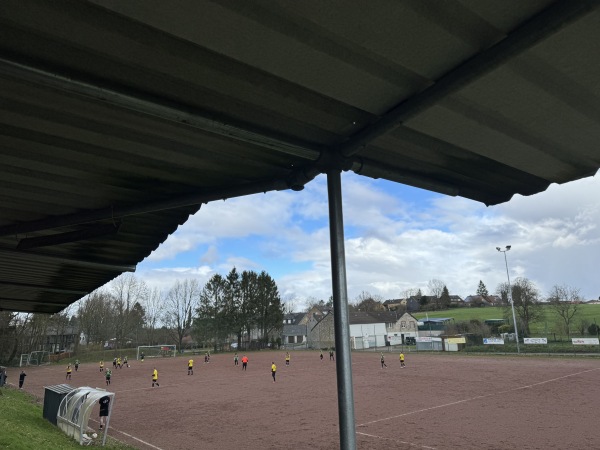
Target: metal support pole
(510, 299)
(340, 313)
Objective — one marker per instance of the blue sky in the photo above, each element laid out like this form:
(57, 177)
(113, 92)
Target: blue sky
(397, 238)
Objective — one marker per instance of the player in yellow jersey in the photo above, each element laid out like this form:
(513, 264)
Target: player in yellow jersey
(191, 367)
(273, 370)
(155, 377)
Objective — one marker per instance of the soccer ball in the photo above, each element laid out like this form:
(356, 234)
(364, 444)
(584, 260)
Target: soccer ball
(94, 435)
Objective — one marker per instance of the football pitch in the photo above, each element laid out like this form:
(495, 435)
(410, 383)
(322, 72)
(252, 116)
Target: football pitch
(437, 402)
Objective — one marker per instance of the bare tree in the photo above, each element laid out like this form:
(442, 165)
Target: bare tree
(565, 300)
(153, 307)
(411, 292)
(289, 304)
(59, 323)
(180, 305)
(95, 317)
(13, 330)
(436, 287)
(367, 302)
(37, 330)
(311, 302)
(477, 327)
(127, 290)
(526, 298)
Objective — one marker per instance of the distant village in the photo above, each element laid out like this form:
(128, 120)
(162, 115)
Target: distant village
(378, 324)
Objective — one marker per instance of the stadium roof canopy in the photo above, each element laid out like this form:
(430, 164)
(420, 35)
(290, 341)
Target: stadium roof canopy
(119, 119)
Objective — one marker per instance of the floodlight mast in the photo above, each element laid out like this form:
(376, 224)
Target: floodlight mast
(510, 299)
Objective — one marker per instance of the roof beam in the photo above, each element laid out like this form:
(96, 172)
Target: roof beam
(43, 288)
(31, 301)
(76, 262)
(155, 107)
(117, 212)
(540, 27)
(92, 232)
(33, 306)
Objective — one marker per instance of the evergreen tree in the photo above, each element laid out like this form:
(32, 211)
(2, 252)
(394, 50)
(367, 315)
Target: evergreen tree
(482, 290)
(235, 304)
(208, 313)
(445, 298)
(268, 306)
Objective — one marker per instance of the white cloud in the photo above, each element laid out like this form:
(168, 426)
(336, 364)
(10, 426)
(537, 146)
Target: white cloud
(164, 278)
(211, 255)
(393, 244)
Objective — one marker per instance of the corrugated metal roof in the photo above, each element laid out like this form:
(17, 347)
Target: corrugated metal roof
(127, 116)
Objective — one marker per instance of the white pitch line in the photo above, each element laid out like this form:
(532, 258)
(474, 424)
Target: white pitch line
(478, 397)
(137, 439)
(395, 440)
(128, 435)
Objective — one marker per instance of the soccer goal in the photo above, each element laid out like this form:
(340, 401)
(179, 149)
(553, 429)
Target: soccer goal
(156, 351)
(38, 358)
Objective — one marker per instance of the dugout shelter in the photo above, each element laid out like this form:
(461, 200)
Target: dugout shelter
(74, 414)
(118, 120)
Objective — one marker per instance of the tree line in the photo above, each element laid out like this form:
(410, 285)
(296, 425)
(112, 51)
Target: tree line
(127, 312)
(239, 304)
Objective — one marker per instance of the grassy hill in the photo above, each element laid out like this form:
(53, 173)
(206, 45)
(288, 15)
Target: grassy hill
(544, 327)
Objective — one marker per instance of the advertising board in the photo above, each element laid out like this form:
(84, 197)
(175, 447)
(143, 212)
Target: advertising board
(493, 341)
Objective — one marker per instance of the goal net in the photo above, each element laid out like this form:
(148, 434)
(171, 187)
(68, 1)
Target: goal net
(38, 358)
(156, 351)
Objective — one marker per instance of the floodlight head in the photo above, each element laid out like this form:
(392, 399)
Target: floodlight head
(498, 248)
(508, 247)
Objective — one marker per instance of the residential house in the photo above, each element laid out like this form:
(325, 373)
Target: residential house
(296, 325)
(294, 329)
(321, 332)
(394, 304)
(494, 300)
(314, 313)
(412, 304)
(59, 339)
(406, 326)
(456, 301)
(367, 329)
(477, 301)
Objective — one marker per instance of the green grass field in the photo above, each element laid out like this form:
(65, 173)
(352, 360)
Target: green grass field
(544, 327)
(22, 426)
